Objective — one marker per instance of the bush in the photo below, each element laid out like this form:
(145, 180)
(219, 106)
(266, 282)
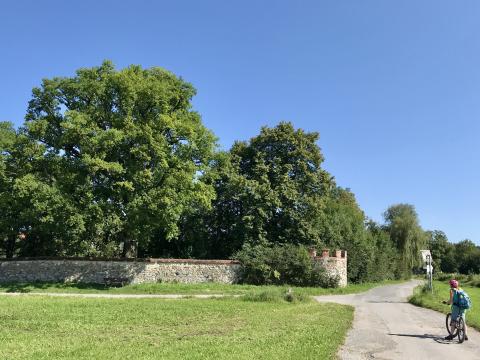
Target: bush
(473, 280)
(319, 277)
(293, 297)
(269, 295)
(282, 264)
(276, 295)
(470, 280)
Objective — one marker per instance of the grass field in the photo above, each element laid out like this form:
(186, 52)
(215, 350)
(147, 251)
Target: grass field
(259, 324)
(74, 328)
(441, 292)
(177, 288)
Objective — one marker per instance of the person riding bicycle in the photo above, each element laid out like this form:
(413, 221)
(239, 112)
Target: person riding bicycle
(456, 310)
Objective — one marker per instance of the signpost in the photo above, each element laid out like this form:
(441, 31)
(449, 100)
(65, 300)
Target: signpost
(427, 265)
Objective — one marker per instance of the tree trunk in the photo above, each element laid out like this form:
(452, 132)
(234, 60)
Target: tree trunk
(10, 247)
(129, 249)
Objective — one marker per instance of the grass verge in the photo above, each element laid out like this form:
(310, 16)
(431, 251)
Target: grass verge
(441, 292)
(188, 289)
(74, 328)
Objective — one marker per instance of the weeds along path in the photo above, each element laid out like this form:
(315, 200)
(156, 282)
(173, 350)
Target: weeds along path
(386, 326)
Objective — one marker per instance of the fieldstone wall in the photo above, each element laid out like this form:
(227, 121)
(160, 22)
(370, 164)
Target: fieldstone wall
(335, 266)
(120, 272)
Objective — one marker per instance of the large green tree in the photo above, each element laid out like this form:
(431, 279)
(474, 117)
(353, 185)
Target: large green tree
(30, 202)
(124, 150)
(442, 251)
(403, 226)
(467, 257)
(382, 262)
(270, 190)
(342, 226)
(7, 228)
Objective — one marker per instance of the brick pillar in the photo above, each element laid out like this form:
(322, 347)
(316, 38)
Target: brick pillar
(325, 252)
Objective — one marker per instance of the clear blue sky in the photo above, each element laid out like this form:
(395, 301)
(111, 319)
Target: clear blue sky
(393, 87)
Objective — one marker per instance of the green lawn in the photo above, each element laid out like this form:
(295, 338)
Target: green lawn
(177, 288)
(441, 292)
(229, 328)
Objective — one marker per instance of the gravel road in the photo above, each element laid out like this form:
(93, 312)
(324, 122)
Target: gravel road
(387, 327)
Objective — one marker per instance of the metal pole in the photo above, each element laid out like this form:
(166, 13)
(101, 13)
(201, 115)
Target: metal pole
(429, 272)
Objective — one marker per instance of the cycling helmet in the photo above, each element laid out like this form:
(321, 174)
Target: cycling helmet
(453, 283)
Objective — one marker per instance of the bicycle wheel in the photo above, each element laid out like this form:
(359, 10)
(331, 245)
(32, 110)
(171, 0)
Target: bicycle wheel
(447, 325)
(461, 329)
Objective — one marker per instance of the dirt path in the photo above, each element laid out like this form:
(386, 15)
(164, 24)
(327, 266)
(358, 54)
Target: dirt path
(119, 296)
(387, 327)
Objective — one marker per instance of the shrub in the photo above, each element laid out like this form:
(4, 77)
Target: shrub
(470, 280)
(282, 264)
(473, 280)
(276, 295)
(319, 277)
(269, 295)
(294, 297)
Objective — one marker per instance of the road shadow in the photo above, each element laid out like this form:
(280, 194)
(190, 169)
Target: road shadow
(436, 338)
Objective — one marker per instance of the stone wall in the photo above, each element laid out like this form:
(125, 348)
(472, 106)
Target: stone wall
(144, 271)
(119, 272)
(335, 265)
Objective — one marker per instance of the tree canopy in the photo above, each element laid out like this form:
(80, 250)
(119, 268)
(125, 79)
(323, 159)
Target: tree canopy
(117, 163)
(122, 151)
(269, 190)
(403, 226)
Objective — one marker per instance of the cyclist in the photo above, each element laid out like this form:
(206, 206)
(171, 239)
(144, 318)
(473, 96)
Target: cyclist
(456, 310)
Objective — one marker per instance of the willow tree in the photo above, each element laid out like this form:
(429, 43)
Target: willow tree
(405, 231)
(126, 148)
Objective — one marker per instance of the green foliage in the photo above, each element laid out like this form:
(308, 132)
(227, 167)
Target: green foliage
(404, 229)
(467, 257)
(118, 160)
(269, 190)
(276, 294)
(282, 264)
(116, 163)
(342, 226)
(468, 280)
(7, 140)
(383, 260)
(442, 251)
(462, 257)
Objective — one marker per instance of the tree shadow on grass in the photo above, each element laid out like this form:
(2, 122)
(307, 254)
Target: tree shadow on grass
(34, 286)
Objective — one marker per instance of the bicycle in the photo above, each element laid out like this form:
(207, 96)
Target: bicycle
(458, 326)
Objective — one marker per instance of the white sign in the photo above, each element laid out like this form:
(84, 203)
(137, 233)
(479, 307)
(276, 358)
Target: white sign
(425, 254)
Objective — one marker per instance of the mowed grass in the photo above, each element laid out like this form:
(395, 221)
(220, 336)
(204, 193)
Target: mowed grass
(38, 327)
(188, 289)
(441, 292)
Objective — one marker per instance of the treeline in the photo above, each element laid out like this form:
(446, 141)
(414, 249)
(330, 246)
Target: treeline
(117, 164)
(462, 257)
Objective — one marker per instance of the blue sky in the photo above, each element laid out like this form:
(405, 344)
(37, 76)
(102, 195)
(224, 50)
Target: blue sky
(393, 87)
